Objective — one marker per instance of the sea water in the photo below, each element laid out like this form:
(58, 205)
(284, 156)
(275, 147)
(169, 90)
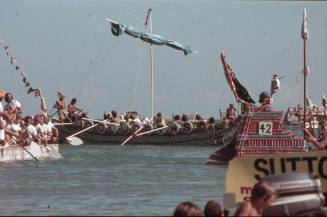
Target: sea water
(111, 180)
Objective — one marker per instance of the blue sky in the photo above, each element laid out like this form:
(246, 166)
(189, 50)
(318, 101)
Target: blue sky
(67, 46)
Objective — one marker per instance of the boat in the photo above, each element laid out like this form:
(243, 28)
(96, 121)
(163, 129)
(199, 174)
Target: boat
(263, 132)
(30, 150)
(175, 134)
(211, 132)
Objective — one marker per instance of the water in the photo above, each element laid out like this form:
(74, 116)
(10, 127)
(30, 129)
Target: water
(111, 180)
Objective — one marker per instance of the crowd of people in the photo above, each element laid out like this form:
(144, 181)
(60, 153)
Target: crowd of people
(71, 113)
(18, 130)
(263, 194)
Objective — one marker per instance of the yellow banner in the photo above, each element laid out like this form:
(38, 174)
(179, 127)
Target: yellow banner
(244, 172)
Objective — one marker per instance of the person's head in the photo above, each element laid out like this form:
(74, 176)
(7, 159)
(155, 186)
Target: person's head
(264, 97)
(8, 97)
(213, 209)
(28, 120)
(114, 114)
(187, 208)
(231, 105)
(159, 115)
(184, 117)
(61, 97)
(263, 194)
(2, 95)
(275, 76)
(74, 100)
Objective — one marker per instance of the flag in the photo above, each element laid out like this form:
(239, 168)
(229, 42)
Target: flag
(304, 30)
(240, 92)
(37, 93)
(13, 60)
(309, 102)
(24, 80)
(324, 102)
(31, 90)
(118, 29)
(148, 18)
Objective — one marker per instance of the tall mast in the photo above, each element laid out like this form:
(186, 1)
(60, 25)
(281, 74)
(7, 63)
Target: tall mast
(149, 22)
(305, 37)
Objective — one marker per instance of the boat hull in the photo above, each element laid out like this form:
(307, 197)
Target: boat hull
(196, 138)
(17, 153)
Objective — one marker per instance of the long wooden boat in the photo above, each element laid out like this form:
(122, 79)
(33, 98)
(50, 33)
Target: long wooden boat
(30, 152)
(103, 135)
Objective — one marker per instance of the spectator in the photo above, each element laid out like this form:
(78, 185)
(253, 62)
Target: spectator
(213, 209)
(187, 208)
(263, 194)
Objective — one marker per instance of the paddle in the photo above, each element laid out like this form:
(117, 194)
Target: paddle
(104, 122)
(37, 160)
(73, 140)
(133, 135)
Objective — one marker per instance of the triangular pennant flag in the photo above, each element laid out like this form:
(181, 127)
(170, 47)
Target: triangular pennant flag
(24, 80)
(27, 84)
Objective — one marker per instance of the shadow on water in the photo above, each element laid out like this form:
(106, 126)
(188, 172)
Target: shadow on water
(111, 180)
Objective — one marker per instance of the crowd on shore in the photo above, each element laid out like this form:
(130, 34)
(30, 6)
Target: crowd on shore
(18, 130)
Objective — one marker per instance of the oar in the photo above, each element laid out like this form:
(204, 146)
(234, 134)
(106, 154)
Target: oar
(129, 138)
(151, 131)
(29, 152)
(56, 124)
(73, 140)
(104, 122)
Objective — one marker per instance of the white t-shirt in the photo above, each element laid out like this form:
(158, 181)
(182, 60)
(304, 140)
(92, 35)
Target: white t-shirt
(14, 103)
(31, 131)
(14, 127)
(1, 107)
(42, 128)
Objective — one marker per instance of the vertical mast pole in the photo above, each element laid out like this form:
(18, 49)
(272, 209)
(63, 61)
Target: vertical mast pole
(149, 21)
(305, 68)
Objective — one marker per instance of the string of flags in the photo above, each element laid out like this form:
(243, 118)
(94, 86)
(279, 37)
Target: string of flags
(28, 86)
(14, 62)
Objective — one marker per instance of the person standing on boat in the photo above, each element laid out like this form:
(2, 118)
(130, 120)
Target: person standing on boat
(275, 84)
(60, 105)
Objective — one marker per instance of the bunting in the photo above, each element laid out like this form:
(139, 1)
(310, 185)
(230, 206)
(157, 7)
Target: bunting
(30, 89)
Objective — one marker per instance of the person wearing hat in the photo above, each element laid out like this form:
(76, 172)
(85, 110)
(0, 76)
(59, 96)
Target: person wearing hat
(60, 105)
(265, 101)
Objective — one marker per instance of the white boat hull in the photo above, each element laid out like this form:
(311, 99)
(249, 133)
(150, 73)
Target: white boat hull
(15, 153)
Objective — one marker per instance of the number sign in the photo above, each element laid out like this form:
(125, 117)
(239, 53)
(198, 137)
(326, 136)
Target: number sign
(265, 128)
